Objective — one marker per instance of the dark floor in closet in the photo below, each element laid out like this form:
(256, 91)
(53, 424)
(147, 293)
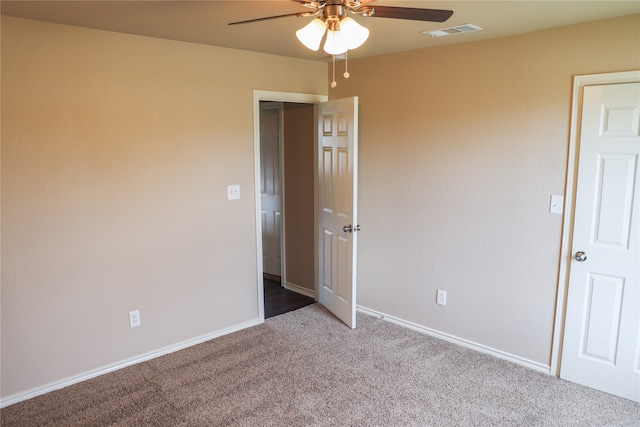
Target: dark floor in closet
(278, 300)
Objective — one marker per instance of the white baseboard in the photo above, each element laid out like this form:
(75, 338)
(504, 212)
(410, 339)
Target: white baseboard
(19, 397)
(460, 341)
(299, 289)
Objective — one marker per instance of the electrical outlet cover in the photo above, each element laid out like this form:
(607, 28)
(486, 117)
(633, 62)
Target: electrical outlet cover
(134, 318)
(441, 297)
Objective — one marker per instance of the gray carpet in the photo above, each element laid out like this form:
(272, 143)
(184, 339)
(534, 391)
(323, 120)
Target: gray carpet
(305, 368)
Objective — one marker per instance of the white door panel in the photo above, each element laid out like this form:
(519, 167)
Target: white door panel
(601, 347)
(271, 188)
(337, 204)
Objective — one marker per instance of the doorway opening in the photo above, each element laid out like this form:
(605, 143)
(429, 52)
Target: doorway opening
(290, 126)
(284, 147)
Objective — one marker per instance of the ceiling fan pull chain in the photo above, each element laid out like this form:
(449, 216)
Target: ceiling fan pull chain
(334, 83)
(346, 65)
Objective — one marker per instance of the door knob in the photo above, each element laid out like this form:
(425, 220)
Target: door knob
(349, 228)
(580, 256)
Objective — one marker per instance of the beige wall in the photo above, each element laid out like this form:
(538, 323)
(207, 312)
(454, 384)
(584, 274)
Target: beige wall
(116, 154)
(299, 172)
(460, 150)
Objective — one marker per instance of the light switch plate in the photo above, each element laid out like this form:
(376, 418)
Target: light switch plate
(556, 205)
(233, 192)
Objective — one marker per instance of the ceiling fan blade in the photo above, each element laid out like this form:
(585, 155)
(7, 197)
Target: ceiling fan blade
(433, 15)
(298, 14)
(311, 4)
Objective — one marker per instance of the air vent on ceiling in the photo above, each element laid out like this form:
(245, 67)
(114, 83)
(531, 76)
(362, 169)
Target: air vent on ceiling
(464, 28)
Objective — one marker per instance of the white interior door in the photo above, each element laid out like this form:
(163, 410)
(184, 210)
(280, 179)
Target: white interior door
(601, 347)
(337, 207)
(271, 188)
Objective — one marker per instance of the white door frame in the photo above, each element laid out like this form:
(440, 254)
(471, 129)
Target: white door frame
(579, 82)
(262, 95)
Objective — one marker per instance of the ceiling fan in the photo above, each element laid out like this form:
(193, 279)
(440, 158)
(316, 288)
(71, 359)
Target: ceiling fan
(343, 32)
(333, 8)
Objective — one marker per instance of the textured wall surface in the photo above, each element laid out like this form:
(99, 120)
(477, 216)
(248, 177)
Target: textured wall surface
(461, 148)
(116, 154)
(299, 196)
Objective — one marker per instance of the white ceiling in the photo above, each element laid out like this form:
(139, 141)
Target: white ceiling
(206, 21)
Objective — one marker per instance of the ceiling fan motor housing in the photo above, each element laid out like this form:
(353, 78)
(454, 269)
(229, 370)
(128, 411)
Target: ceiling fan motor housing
(333, 11)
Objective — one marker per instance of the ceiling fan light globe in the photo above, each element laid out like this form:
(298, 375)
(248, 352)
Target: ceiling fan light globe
(354, 33)
(311, 34)
(335, 43)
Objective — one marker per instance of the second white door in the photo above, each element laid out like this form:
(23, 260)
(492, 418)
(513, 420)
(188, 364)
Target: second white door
(601, 347)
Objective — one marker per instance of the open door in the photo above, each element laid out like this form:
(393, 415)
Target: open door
(337, 207)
